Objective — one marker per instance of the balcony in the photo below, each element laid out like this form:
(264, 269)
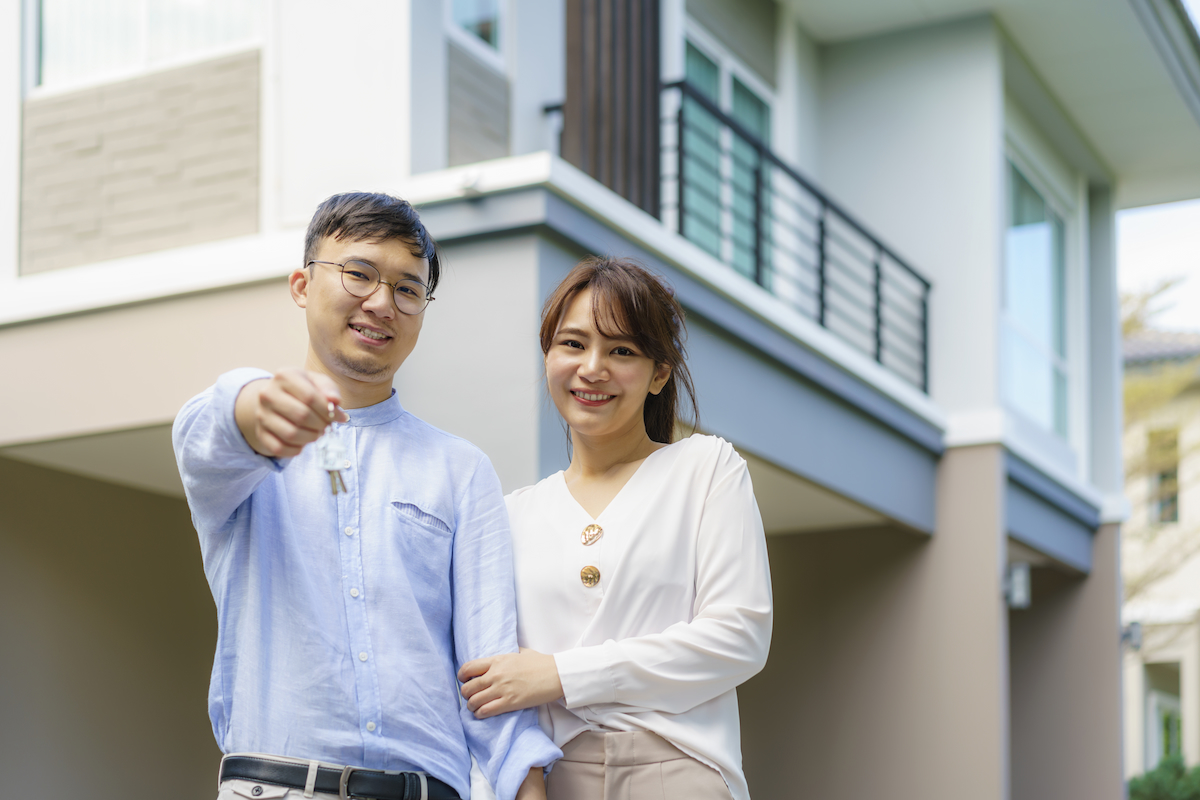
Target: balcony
(726, 191)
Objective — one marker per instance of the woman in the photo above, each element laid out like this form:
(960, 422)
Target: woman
(643, 592)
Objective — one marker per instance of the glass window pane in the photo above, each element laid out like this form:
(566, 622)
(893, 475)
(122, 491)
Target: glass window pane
(751, 112)
(1028, 378)
(702, 73)
(175, 28)
(480, 17)
(81, 38)
(1034, 298)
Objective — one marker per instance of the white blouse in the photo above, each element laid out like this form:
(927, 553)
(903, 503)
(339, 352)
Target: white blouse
(680, 615)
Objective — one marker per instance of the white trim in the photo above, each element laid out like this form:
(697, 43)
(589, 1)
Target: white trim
(153, 276)
(542, 169)
(128, 73)
(491, 57)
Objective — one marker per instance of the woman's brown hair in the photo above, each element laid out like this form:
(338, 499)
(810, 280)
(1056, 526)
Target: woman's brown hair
(630, 301)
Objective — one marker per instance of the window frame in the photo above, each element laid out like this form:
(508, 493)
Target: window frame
(1064, 191)
(495, 58)
(31, 56)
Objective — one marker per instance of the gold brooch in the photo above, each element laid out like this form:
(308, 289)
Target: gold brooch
(590, 534)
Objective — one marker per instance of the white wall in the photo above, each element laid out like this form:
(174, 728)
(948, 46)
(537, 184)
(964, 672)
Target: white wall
(912, 141)
(476, 371)
(341, 97)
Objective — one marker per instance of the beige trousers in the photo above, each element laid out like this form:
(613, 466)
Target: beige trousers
(633, 765)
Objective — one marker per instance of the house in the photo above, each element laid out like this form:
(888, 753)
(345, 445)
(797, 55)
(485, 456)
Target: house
(891, 225)
(1160, 549)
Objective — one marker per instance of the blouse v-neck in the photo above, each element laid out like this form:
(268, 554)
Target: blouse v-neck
(562, 478)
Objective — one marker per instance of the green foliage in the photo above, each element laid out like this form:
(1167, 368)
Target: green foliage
(1170, 780)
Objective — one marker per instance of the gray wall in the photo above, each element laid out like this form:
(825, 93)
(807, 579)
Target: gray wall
(163, 160)
(108, 630)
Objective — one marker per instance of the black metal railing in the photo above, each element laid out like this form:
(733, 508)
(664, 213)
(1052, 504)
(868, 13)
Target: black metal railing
(726, 191)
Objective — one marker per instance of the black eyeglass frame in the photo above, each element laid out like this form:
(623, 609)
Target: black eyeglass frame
(393, 286)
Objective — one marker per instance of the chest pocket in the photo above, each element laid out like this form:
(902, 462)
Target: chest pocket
(425, 543)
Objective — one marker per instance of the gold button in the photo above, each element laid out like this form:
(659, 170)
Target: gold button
(590, 534)
(590, 576)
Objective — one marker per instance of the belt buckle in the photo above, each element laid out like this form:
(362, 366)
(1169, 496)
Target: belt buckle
(344, 782)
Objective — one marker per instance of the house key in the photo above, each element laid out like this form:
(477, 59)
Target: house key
(331, 454)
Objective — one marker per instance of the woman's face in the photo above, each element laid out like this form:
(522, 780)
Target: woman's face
(599, 385)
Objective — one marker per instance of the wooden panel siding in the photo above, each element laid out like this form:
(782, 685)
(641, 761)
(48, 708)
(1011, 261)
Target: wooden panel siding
(159, 161)
(610, 116)
(478, 109)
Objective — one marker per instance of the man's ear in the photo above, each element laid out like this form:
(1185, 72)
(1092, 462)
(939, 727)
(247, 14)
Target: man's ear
(298, 284)
(662, 373)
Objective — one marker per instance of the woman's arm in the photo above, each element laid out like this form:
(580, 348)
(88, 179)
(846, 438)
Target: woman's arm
(689, 663)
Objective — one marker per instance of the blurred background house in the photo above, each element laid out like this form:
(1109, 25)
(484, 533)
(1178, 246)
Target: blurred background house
(891, 225)
(1161, 546)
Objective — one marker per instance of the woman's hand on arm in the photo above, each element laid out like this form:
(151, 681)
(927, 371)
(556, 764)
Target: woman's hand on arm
(509, 682)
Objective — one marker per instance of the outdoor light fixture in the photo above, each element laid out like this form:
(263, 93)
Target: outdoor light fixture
(1017, 589)
(1131, 635)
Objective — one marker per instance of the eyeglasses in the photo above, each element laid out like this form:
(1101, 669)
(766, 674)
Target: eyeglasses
(361, 280)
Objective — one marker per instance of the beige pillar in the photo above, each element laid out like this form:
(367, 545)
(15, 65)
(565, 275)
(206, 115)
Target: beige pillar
(1066, 684)
(887, 675)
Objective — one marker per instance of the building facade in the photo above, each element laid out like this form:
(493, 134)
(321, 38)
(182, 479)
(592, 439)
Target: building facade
(1161, 550)
(891, 226)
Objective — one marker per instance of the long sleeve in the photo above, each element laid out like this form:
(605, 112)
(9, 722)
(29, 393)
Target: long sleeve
(509, 745)
(727, 638)
(218, 467)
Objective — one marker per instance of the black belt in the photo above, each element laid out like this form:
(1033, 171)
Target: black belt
(346, 782)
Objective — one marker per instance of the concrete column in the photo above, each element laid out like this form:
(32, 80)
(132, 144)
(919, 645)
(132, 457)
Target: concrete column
(1066, 684)
(1189, 695)
(1134, 707)
(888, 667)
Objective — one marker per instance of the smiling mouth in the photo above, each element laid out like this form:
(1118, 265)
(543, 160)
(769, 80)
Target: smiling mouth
(593, 398)
(370, 334)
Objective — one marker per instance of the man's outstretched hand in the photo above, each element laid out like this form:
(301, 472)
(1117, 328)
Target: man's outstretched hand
(279, 416)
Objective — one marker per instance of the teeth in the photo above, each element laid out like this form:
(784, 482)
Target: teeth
(370, 334)
(594, 397)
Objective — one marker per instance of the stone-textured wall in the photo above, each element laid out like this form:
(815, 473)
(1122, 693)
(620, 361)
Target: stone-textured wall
(162, 160)
(478, 109)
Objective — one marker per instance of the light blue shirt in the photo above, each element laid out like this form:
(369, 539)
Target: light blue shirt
(343, 620)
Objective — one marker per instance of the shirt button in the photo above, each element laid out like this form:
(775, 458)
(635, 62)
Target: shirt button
(354, 592)
(370, 726)
(349, 531)
(590, 576)
(362, 656)
(346, 464)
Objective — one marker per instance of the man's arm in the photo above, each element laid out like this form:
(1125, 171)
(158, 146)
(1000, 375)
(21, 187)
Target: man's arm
(278, 416)
(509, 746)
(222, 435)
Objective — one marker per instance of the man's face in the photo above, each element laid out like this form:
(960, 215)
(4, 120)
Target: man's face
(363, 339)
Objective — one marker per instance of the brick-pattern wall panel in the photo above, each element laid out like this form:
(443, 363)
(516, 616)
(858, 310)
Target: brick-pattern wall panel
(159, 161)
(478, 109)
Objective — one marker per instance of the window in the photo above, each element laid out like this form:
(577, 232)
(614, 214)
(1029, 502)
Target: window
(722, 203)
(1033, 339)
(480, 18)
(1162, 462)
(82, 40)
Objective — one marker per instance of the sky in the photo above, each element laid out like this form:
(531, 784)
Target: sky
(1158, 243)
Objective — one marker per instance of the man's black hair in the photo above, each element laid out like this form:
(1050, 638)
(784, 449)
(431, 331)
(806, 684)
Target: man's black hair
(372, 217)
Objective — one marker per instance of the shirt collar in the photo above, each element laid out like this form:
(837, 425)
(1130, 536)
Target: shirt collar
(377, 414)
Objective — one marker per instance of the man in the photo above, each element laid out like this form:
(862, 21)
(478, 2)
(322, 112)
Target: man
(349, 593)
